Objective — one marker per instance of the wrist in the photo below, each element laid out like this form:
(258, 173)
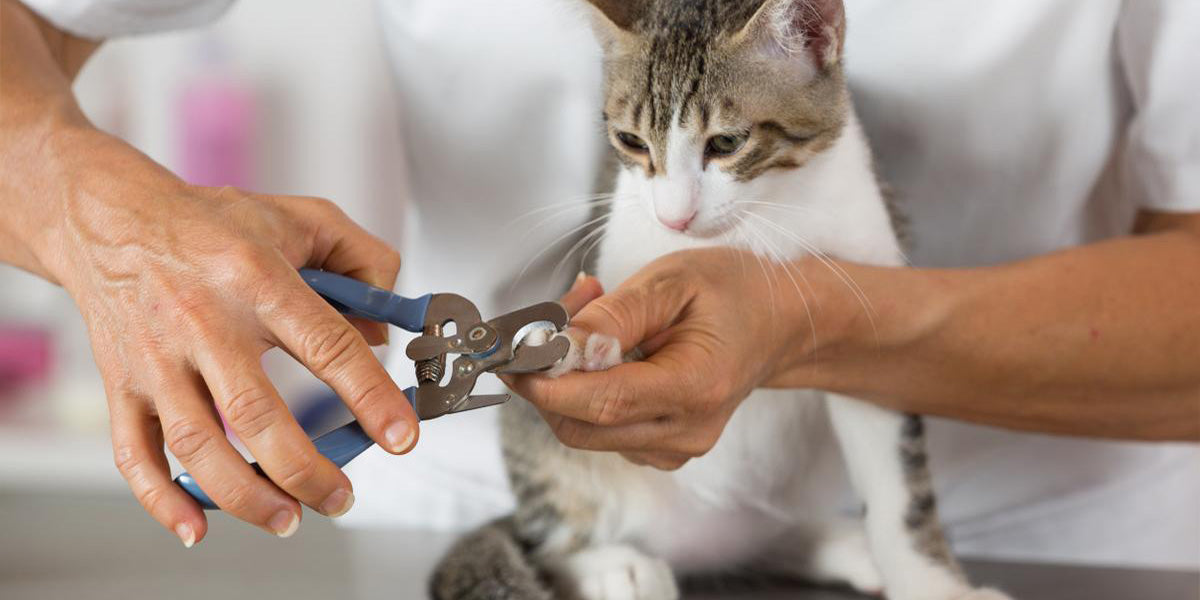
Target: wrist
(79, 187)
(33, 186)
(860, 316)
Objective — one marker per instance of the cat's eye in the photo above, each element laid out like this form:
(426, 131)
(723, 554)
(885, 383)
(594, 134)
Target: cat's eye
(725, 144)
(632, 142)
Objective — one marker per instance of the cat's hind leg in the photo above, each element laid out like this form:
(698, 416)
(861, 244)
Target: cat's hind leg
(885, 456)
(615, 572)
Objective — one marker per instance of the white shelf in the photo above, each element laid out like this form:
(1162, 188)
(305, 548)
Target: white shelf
(39, 459)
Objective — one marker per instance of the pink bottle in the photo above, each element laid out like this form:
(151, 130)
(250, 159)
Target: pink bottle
(216, 123)
(25, 358)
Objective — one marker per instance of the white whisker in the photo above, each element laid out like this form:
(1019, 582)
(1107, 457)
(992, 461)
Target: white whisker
(596, 233)
(553, 243)
(783, 262)
(836, 269)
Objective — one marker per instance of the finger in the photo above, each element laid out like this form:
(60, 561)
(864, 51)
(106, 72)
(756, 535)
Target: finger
(254, 410)
(664, 444)
(324, 341)
(641, 308)
(645, 437)
(342, 246)
(195, 437)
(138, 452)
(583, 290)
(627, 393)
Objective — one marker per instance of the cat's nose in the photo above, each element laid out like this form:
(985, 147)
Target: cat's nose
(677, 224)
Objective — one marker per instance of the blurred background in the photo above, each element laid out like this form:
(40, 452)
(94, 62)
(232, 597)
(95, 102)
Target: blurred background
(295, 101)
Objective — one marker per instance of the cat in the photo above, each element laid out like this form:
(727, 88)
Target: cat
(725, 114)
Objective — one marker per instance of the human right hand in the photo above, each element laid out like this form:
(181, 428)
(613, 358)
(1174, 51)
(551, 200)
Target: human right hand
(183, 289)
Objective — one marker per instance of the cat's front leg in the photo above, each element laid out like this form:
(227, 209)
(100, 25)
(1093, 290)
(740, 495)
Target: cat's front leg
(885, 455)
(614, 572)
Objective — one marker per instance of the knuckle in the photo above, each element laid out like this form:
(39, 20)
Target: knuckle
(201, 325)
(298, 472)
(188, 441)
(251, 262)
(238, 498)
(365, 395)
(250, 411)
(329, 347)
(229, 193)
(610, 405)
(189, 304)
(127, 459)
(151, 498)
(327, 207)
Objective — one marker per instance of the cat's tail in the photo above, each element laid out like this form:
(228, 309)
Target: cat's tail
(488, 564)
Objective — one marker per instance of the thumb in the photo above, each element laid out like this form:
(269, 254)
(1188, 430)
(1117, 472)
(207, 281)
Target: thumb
(638, 310)
(584, 290)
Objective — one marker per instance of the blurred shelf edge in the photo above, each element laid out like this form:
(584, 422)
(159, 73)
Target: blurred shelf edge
(52, 459)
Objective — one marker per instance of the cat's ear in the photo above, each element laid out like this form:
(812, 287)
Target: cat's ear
(792, 27)
(615, 19)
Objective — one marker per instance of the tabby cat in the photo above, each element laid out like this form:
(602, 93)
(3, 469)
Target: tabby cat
(734, 126)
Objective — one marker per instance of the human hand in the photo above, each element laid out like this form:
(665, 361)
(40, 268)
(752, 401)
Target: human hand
(183, 289)
(711, 331)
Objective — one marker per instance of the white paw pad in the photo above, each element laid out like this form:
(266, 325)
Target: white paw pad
(619, 573)
(598, 352)
(601, 353)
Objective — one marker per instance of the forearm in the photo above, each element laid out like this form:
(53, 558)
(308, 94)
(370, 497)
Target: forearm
(38, 114)
(1102, 340)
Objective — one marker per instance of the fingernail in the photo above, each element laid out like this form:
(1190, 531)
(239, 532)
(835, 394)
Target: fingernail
(399, 437)
(284, 523)
(186, 534)
(580, 278)
(387, 334)
(337, 504)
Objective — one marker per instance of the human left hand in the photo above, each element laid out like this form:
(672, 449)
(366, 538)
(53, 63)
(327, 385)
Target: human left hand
(712, 328)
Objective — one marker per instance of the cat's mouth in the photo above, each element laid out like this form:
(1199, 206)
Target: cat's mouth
(710, 227)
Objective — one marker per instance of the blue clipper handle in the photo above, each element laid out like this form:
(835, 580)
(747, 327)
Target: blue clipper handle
(340, 446)
(357, 299)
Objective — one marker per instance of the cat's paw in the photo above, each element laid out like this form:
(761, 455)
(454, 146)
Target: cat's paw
(589, 352)
(601, 353)
(618, 573)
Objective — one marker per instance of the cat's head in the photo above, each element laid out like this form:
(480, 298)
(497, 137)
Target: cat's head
(708, 101)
